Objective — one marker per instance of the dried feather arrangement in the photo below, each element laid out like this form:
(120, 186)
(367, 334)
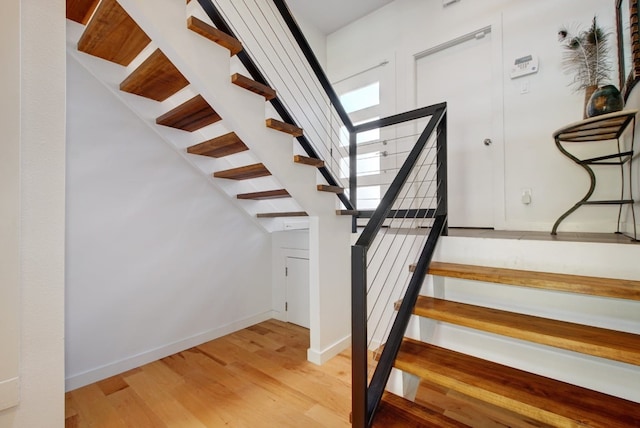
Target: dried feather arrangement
(586, 56)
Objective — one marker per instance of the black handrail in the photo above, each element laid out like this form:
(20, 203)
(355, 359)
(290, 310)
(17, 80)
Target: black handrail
(365, 400)
(437, 113)
(282, 7)
(216, 17)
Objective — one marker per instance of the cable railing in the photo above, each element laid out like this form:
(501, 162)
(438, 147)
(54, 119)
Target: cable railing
(403, 230)
(273, 56)
(404, 225)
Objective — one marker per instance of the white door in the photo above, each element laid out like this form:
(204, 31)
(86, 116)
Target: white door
(460, 74)
(297, 291)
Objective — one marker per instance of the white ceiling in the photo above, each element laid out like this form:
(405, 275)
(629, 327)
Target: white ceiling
(331, 15)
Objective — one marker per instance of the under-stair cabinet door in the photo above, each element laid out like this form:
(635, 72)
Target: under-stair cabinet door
(297, 291)
(460, 73)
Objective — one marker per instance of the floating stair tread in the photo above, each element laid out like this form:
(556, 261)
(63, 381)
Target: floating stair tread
(253, 86)
(600, 342)
(156, 78)
(219, 147)
(284, 127)
(244, 172)
(540, 398)
(332, 189)
(266, 194)
(80, 10)
(395, 411)
(190, 116)
(605, 287)
(212, 33)
(347, 212)
(113, 35)
(305, 160)
(283, 214)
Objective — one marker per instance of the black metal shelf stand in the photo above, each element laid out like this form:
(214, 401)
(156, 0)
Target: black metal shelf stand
(606, 127)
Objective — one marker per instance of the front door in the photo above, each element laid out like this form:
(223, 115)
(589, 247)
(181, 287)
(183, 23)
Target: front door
(460, 74)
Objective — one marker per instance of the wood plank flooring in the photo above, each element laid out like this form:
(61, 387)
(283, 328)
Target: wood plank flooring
(256, 377)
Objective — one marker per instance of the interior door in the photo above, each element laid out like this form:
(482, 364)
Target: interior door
(460, 74)
(297, 291)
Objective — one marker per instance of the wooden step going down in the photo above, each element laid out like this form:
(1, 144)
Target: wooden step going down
(219, 147)
(223, 39)
(244, 172)
(600, 342)
(604, 287)
(113, 35)
(156, 78)
(190, 116)
(543, 399)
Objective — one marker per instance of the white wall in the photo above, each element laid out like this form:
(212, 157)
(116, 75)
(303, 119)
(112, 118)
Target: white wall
(158, 259)
(527, 156)
(42, 157)
(10, 205)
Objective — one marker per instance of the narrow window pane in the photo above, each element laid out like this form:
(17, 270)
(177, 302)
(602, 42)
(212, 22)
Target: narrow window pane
(358, 99)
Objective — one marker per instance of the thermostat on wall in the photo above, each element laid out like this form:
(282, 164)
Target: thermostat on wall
(524, 65)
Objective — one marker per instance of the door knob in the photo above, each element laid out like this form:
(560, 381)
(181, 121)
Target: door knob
(487, 141)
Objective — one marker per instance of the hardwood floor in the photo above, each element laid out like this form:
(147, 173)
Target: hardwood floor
(256, 377)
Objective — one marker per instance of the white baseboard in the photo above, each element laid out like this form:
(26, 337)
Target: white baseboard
(9, 393)
(108, 370)
(321, 357)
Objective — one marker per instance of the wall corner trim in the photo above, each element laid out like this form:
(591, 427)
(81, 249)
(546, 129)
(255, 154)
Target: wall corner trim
(9, 393)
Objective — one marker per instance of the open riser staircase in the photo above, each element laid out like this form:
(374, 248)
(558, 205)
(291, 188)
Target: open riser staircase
(177, 72)
(541, 371)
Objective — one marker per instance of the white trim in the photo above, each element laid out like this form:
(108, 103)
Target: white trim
(9, 393)
(321, 357)
(103, 372)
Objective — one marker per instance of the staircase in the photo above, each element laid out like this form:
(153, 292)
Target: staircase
(533, 397)
(256, 161)
(180, 76)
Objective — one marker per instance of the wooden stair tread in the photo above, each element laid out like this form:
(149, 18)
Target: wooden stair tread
(80, 10)
(253, 86)
(218, 147)
(332, 189)
(244, 172)
(212, 33)
(347, 212)
(113, 35)
(266, 194)
(283, 214)
(305, 160)
(284, 127)
(605, 287)
(540, 398)
(190, 116)
(600, 342)
(395, 411)
(156, 78)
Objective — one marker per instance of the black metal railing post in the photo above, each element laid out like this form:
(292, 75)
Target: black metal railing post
(372, 394)
(441, 175)
(353, 176)
(359, 336)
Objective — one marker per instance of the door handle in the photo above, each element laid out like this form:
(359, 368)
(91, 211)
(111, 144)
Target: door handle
(487, 141)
